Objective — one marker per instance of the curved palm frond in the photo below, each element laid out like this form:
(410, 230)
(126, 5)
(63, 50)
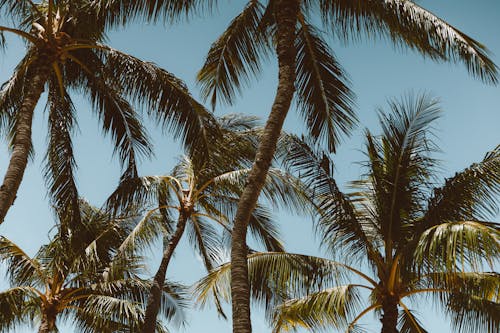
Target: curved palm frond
(21, 268)
(323, 94)
(409, 323)
(468, 195)
(407, 24)
(329, 307)
(165, 97)
(235, 56)
(454, 245)
(59, 170)
(15, 306)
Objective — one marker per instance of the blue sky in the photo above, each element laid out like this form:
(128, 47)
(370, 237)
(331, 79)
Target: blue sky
(470, 125)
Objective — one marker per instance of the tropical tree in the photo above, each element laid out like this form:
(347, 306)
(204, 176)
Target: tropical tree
(201, 194)
(64, 54)
(78, 277)
(308, 67)
(415, 239)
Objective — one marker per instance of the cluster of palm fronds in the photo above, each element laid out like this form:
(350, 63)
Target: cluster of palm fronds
(415, 235)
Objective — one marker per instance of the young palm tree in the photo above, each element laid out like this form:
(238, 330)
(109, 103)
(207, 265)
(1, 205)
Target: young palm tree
(77, 277)
(415, 239)
(201, 190)
(65, 54)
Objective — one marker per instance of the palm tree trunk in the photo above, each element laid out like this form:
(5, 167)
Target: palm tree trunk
(286, 17)
(48, 323)
(21, 144)
(390, 316)
(154, 298)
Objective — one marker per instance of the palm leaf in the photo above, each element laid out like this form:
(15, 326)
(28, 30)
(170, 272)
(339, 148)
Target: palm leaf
(408, 322)
(21, 268)
(234, 57)
(324, 97)
(59, 171)
(407, 24)
(329, 307)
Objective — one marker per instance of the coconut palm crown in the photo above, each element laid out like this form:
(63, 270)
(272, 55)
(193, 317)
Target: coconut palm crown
(65, 54)
(398, 238)
(79, 278)
(201, 194)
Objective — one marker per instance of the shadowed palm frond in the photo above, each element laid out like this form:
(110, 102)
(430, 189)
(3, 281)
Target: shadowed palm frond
(407, 24)
(165, 97)
(469, 195)
(235, 56)
(323, 94)
(21, 268)
(59, 170)
(409, 323)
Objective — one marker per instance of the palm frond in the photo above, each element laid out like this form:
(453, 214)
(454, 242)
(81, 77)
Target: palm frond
(407, 24)
(234, 57)
(205, 239)
(165, 97)
(409, 323)
(59, 170)
(332, 307)
(324, 97)
(21, 268)
(459, 245)
(13, 305)
(469, 195)
(264, 229)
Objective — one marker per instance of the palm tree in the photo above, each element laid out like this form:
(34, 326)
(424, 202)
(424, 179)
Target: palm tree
(201, 190)
(65, 53)
(307, 66)
(414, 239)
(78, 277)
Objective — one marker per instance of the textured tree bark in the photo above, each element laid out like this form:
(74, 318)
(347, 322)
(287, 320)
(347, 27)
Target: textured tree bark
(154, 298)
(286, 12)
(390, 316)
(48, 323)
(22, 141)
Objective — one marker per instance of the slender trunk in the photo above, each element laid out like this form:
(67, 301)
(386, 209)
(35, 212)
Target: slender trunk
(153, 305)
(21, 143)
(48, 323)
(286, 17)
(390, 316)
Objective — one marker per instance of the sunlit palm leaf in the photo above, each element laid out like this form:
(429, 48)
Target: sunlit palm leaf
(330, 307)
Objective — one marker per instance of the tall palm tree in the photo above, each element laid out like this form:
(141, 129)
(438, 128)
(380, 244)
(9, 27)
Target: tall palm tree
(78, 277)
(415, 239)
(201, 190)
(64, 54)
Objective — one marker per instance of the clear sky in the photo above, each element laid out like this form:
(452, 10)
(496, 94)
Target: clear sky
(470, 126)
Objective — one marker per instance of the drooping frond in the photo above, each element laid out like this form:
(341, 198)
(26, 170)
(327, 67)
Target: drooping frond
(14, 303)
(119, 12)
(332, 307)
(275, 277)
(409, 323)
(324, 97)
(234, 57)
(206, 240)
(59, 170)
(165, 97)
(407, 24)
(469, 195)
(459, 245)
(118, 117)
(339, 223)
(21, 268)
(264, 230)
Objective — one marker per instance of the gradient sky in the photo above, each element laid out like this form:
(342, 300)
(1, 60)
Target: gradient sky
(470, 126)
